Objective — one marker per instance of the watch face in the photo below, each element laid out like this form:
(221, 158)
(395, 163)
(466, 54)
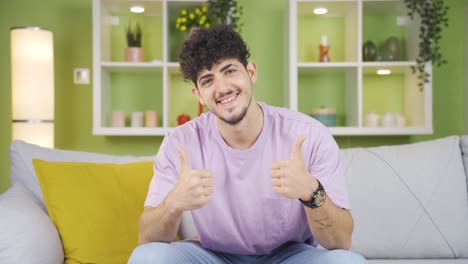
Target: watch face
(319, 198)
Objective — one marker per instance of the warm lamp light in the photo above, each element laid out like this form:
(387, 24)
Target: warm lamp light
(137, 9)
(320, 11)
(384, 72)
(32, 84)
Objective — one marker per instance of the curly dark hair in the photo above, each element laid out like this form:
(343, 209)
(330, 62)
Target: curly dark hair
(206, 47)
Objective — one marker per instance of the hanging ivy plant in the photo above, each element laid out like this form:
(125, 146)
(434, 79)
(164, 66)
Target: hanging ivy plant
(433, 14)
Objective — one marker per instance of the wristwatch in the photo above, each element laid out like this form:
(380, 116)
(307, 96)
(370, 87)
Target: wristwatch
(318, 198)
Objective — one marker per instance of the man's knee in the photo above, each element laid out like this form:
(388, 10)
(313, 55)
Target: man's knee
(153, 253)
(339, 256)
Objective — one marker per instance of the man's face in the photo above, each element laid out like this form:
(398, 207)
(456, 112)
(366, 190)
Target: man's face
(226, 89)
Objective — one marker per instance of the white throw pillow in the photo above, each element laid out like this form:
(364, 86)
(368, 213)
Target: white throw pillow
(27, 235)
(408, 201)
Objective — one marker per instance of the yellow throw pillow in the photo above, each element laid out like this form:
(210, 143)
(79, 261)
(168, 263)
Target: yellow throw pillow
(95, 207)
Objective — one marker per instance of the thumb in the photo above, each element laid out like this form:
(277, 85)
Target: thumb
(297, 149)
(184, 162)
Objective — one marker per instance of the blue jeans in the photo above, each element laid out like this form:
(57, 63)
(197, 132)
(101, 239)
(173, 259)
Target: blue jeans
(182, 252)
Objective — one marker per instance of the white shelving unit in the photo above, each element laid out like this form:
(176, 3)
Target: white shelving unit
(347, 83)
(114, 80)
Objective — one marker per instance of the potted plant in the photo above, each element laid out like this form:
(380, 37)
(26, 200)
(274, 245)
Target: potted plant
(190, 20)
(134, 51)
(217, 12)
(433, 15)
(225, 12)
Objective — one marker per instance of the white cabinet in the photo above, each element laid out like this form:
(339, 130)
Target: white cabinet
(155, 83)
(349, 84)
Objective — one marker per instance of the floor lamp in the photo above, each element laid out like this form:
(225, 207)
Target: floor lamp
(32, 82)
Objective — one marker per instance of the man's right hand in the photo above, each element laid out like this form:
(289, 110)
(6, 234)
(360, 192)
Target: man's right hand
(194, 188)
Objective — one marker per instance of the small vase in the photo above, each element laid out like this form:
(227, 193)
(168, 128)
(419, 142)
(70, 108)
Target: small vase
(134, 54)
(392, 46)
(369, 51)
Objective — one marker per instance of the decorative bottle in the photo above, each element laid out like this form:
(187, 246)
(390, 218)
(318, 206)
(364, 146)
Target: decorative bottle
(324, 48)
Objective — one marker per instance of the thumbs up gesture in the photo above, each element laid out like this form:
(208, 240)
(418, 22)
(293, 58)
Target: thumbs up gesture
(194, 188)
(291, 178)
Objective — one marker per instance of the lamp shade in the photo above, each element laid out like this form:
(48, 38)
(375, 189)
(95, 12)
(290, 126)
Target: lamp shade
(32, 71)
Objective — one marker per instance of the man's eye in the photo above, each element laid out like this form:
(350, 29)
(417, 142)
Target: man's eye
(230, 71)
(206, 82)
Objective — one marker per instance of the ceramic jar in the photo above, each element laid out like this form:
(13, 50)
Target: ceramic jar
(400, 120)
(151, 118)
(371, 119)
(137, 119)
(325, 115)
(388, 120)
(118, 118)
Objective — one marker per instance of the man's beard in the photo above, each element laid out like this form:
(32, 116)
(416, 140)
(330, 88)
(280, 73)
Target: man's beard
(242, 115)
(236, 121)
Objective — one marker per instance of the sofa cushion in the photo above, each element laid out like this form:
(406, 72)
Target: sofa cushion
(22, 171)
(27, 235)
(409, 201)
(95, 207)
(464, 148)
(22, 153)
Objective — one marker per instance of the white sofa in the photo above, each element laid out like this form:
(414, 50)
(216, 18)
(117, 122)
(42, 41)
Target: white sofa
(409, 203)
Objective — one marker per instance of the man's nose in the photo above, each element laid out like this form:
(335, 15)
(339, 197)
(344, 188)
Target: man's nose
(223, 86)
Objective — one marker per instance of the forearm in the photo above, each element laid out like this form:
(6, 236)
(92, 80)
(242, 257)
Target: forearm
(159, 224)
(331, 226)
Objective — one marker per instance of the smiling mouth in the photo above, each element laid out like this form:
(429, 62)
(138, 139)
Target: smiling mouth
(229, 99)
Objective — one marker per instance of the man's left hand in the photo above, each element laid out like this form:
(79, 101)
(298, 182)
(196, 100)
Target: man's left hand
(291, 178)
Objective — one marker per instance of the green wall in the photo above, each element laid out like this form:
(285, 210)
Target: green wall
(264, 31)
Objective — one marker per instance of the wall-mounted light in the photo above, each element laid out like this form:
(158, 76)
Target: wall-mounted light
(320, 11)
(32, 84)
(137, 9)
(384, 72)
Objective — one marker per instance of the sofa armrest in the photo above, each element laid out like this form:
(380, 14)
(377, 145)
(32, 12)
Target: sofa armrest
(27, 235)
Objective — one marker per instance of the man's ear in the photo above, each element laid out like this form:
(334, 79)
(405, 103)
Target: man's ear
(197, 94)
(252, 71)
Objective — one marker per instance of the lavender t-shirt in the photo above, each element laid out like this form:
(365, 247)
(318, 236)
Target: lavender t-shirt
(245, 215)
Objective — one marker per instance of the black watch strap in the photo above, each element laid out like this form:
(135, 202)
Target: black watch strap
(317, 199)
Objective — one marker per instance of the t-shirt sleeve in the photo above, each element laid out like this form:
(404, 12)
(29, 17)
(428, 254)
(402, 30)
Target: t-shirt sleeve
(165, 172)
(325, 166)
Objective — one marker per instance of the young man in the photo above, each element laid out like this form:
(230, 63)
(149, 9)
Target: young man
(263, 183)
